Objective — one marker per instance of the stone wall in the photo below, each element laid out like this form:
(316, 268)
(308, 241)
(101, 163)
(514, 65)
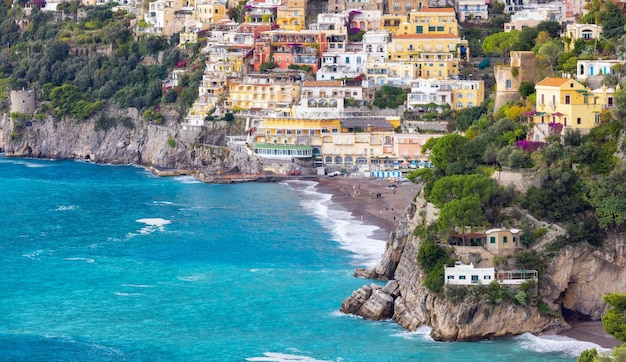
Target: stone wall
(521, 180)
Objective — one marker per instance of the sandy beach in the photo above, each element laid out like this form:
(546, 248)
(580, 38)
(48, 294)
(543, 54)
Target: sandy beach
(358, 196)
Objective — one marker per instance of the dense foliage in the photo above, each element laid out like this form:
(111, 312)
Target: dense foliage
(81, 66)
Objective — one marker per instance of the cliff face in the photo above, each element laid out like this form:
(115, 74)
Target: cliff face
(145, 144)
(576, 280)
(578, 277)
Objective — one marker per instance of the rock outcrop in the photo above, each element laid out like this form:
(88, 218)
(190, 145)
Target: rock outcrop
(144, 144)
(413, 305)
(578, 277)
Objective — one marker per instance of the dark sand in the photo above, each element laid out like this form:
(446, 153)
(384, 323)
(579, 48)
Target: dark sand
(385, 213)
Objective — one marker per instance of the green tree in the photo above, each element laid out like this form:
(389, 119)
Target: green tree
(612, 21)
(551, 51)
(461, 213)
(456, 187)
(526, 89)
(554, 28)
(466, 117)
(526, 39)
(500, 43)
(614, 319)
(448, 153)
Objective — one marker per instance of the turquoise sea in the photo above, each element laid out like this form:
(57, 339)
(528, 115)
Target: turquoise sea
(109, 263)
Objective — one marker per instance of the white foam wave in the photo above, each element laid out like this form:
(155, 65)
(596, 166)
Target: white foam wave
(187, 180)
(66, 208)
(35, 254)
(32, 164)
(138, 285)
(152, 225)
(121, 294)
(421, 333)
(546, 344)
(163, 202)
(350, 233)
(88, 260)
(283, 357)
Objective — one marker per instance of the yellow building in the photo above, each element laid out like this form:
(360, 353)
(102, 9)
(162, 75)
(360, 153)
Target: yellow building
(262, 92)
(286, 138)
(393, 22)
(390, 73)
(565, 101)
(431, 21)
(210, 12)
(405, 6)
(434, 55)
(331, 141)
(290, 15)
(468, 94)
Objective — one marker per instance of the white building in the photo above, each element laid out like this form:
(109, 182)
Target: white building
(339, 65)
(324, 99)
(457, 94)
(598, 67)
(463, 274)
(471, 9)
(375, 44)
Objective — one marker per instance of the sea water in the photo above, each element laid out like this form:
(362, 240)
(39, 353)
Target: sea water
(109, 263)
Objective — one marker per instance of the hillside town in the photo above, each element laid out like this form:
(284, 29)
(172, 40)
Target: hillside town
(302, 75)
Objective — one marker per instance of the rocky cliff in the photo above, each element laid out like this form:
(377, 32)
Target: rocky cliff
(575, 281)
(142, 144)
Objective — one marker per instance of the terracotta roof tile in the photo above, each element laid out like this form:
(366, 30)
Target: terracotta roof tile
(553, 82)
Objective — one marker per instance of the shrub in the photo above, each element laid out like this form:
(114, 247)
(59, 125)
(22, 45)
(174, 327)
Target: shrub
(171, 142)
(497, 293)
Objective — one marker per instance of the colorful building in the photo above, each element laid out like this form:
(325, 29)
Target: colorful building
(262, 91)
(502, 240)
(433, 55)
(566, 101)
(290, 15)
(285, 48)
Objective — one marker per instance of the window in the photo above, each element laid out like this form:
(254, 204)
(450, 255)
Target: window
(419, 29)
(515, 239)
(505, 239)
(459, 95)
(462, 277)
(451, 277)
(492, 240)
(508, 86)
(474, 279)
(542, 99)
(431, 29)
(347, 60)
(578, 120)
(567, 99)
(487, 277)
(440, 28)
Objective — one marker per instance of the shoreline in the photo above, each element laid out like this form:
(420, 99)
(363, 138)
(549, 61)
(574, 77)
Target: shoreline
(359, 197)
(381, 212)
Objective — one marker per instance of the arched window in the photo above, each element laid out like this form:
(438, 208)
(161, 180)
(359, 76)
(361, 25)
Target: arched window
(338, 160)
(329, 160)
(348, 160)
(582, 69)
